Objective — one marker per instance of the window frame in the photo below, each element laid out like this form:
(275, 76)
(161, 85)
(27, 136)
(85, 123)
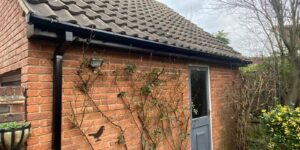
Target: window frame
(10, 79)
(206, 69)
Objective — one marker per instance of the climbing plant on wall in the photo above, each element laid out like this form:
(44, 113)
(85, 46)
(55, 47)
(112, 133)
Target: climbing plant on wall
(153, 99)
(87, 77)
(156, 103)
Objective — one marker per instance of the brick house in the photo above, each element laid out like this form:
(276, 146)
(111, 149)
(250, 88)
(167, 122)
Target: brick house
(41, 47)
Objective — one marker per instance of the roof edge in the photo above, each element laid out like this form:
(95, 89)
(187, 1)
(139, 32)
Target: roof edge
(85, 32)
(23, 6)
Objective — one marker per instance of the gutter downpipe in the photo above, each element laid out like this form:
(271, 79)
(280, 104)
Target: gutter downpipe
(57, 88)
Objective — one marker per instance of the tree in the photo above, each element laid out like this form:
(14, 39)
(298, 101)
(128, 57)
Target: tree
(279, 21)
(222, 36)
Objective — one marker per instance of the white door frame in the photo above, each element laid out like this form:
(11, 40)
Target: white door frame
(209, 97)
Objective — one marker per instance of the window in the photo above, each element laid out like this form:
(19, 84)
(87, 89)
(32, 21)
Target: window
(12, 78)
(199, 92)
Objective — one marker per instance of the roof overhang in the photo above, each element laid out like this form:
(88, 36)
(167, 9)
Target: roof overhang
(40, 27)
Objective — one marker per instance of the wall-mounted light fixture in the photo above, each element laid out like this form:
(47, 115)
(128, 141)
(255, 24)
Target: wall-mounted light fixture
(96, 62)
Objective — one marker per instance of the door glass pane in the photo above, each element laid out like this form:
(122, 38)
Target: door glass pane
(199, 93)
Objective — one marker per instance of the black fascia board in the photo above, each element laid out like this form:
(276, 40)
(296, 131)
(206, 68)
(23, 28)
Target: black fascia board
(105, 36)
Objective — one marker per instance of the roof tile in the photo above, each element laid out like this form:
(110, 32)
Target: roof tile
(37, 1)
(57, 5)
(75, 10)
(145, 19)
(102, 25)
(65, 16)
(91, 14)
(96, 8)
(115, 28)
(84, 21)
(69, 1)
(43, 9)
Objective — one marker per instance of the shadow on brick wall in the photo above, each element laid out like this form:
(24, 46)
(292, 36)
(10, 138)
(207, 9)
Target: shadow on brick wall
(12, 104)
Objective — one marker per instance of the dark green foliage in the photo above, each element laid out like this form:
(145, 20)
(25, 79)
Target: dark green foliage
(157, 132)
(130, 69)
(121, 138)
(282, 127)
(121, 94)
(154, 76)
(222, 36)
(257, 140)
(262, 86)
(277, 71)
(146, 89)
(11, 125)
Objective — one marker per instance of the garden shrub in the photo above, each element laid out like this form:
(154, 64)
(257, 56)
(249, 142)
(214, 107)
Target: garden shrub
(282, 127)
(256, 139)
(11, 125)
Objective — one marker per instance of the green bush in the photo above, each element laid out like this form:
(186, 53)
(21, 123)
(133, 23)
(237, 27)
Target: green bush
(256, 139)
(282, 127)
(11, 125)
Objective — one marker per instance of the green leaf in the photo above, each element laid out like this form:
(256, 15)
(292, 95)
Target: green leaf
(146, 89)
(11, 125)
(121, 139)
(131, 68)
(121, 94)
(222, 36)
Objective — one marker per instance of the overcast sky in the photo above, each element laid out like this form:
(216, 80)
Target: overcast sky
(211, 20)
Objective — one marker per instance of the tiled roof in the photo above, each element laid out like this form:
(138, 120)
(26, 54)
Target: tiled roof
(145, 19)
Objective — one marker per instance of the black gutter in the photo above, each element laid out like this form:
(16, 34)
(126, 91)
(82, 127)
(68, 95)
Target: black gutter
(110, 37)
(57, 89)
(154, 53)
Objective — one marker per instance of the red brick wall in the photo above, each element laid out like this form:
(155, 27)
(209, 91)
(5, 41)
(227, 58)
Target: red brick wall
(12, 104)
(221, 80)
(37, 77)
(13, 41)
(13, 46)
(35, 59)
(13, 49)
